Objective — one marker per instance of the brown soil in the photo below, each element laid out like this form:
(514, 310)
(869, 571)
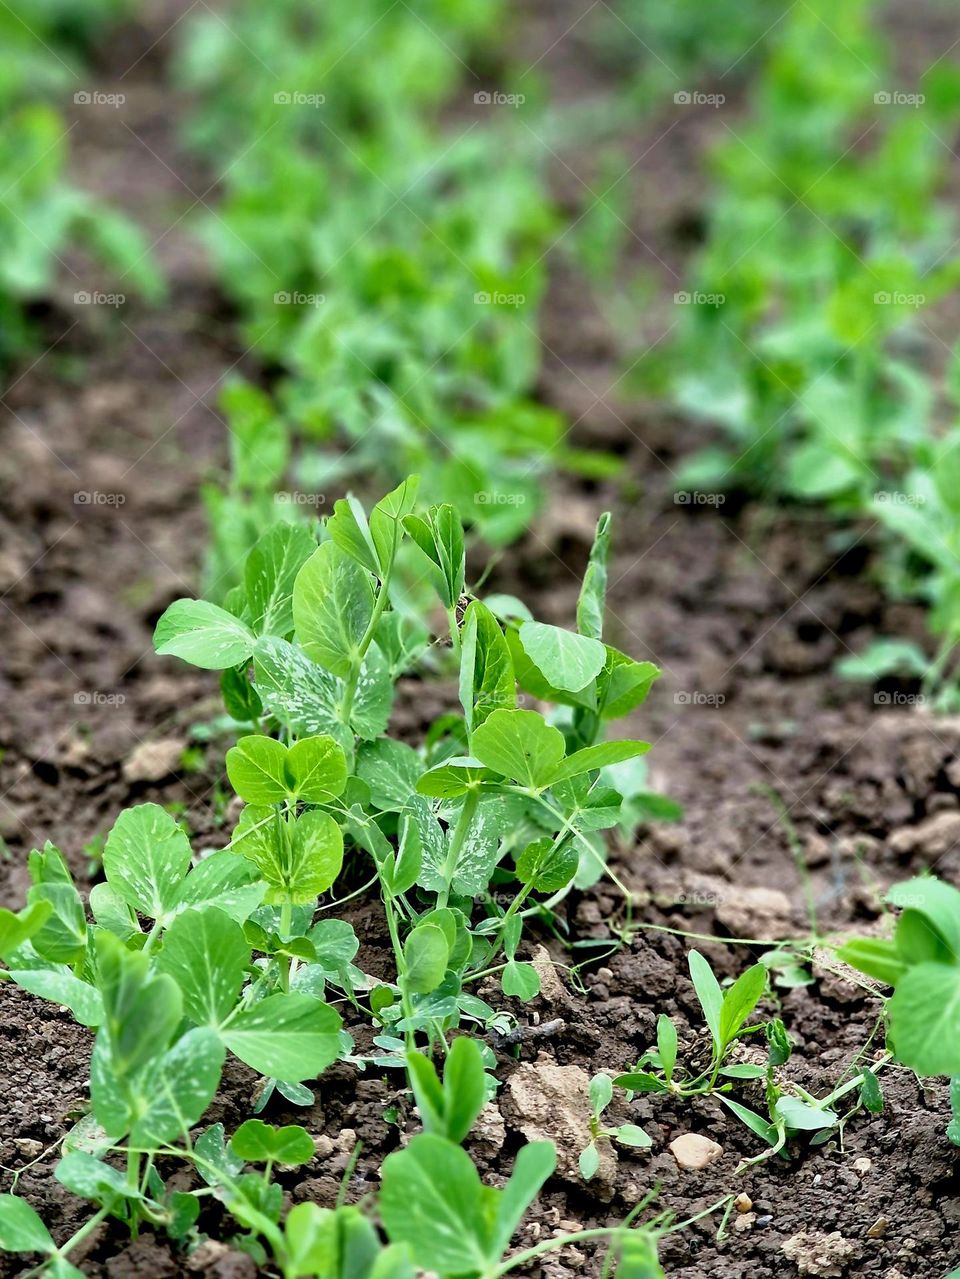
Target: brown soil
(746, 610)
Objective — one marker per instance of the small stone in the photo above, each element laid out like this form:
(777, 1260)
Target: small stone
(815, 1253)
(743, 1203)
(551, 987)
(878, 1229)
(29, 1147)
(323, 1145)
(744, 1222)
(692, 1151)
(153, 761)
(863, 1165)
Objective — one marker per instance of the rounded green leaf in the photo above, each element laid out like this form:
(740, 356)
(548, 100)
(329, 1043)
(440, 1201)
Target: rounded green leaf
(204, 635)
(520, 745)
(425, 956)
(566, 660)
(21, 1230)
(317, 769)
(257, 1142)
(292, 1037)
(257, 769)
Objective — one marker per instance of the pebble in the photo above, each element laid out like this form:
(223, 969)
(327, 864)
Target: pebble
(744, 1222)
(878, 1229)
(743, 1203)
(29, 1147)
(692, 1151)
(863, 1165)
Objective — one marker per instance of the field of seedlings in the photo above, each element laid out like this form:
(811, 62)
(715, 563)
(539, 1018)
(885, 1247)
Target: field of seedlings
(480, 615)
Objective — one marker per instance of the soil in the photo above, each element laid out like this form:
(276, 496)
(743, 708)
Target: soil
(746, 608)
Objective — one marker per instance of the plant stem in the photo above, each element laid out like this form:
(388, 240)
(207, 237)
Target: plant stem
(350, 687)
(561, 1241)
(460, 832)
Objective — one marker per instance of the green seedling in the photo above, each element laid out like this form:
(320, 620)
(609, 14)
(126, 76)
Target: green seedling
(601, 1094)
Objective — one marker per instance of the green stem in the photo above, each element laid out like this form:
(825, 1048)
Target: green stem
(350, 688)
(460, 832)
(561, 1241)
(454, 630)
(401, 967)
(286, 913)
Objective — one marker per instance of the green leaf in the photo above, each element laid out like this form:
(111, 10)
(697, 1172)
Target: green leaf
(454, 777)
(204, 635)
(230, 883)
(520, 745)
(566, 660)
(589, 1161)
(547, 866)
(937, 901)
(386, 521)
(925, 1019)
(63, 935)
(293, 1037)
(240, 698)
(740, 1001)
(317, 769)
(640, 1081)
(709, 994)
(332, 608)
(764, 1130)
(598, 756)
(297, 692)
(90, 1178)
(256, 767)
(464, 1087)
(439, 535)
(391, 770)
(15, 929)
(633, 1135)
(953, 1127)
(487, 681)
(800, 1116)
(350, 531)
(601, 1092)
(432, 1200)
(534, 1164)
(871, 1094)
(177, 1090)
(205, 953)
(623, 684)
(298, 857)
(593, 593)
(667, 1045)
(269, 575)
(145, 858)
(21, 1229)
(256, 1142)
(425, 956)
(520, 980)
(876, 957)
(80, 997)
(142, 1010)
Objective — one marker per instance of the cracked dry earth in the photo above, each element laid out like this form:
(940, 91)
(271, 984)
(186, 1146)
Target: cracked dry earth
(746, 611)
